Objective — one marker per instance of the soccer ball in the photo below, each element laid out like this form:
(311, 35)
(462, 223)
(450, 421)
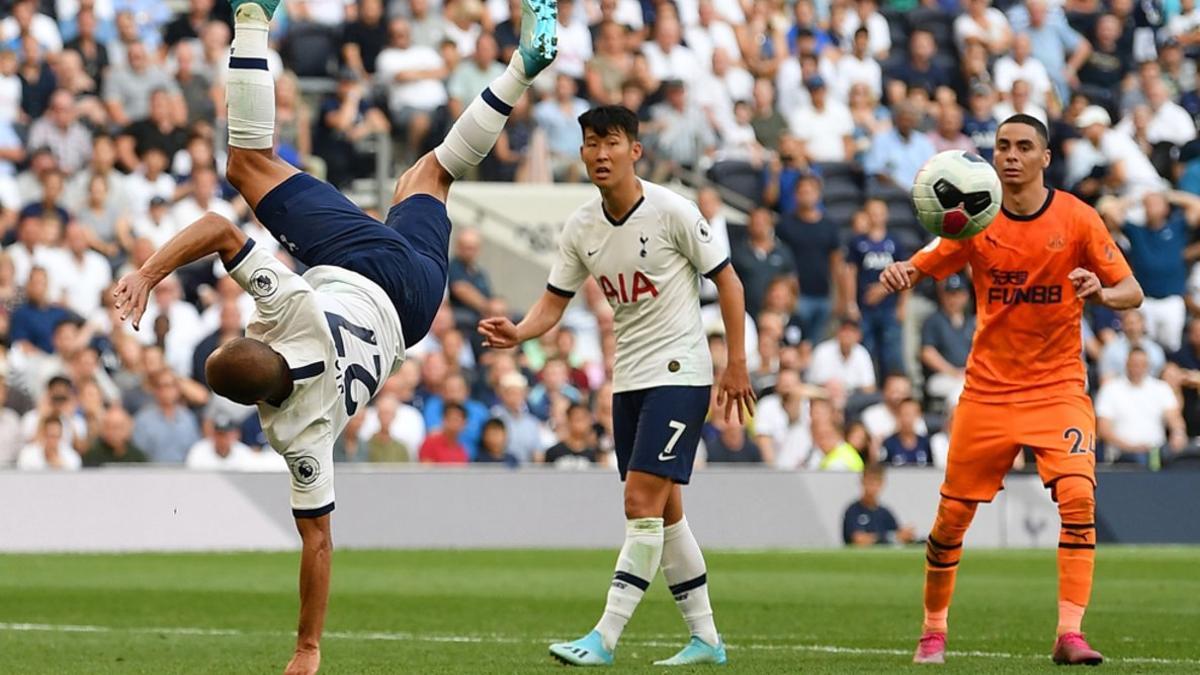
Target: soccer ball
(956, 194)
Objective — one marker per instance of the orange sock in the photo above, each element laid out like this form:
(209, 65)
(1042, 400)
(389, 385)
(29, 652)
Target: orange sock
(1076, 550)
(943, 550)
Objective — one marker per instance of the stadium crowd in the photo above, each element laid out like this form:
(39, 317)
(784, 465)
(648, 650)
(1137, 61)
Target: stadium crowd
(816, 113)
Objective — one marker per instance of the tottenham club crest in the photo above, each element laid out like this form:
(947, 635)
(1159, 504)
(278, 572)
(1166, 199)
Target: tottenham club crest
(703, 231)
(306, 469)
(264, 282)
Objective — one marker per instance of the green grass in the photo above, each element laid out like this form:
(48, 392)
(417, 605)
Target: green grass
(495, 612)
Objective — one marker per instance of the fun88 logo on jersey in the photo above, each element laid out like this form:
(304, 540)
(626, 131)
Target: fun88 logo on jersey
(1008, 288)
(628, 289)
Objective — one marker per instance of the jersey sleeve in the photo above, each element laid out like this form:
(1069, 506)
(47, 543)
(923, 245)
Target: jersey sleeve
(266, 279)
(568, 272)
(942, 257)
(693, 237)
(310, 461)
(1100, 253)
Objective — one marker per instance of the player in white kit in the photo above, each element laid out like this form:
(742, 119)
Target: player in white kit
(320, 346)
(647, 247)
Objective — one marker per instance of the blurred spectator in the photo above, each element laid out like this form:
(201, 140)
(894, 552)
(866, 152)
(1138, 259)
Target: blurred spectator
(898, 153)
(1132, 410)
(553, 389)
(576, 448)
(710, 32)
(26, 20)
(493, 445)
(831, 452)
(881, 420)
(825, 126)
(37, 78)
(682, 135)
(858, 66)
(127, 91)
(47, 206)
(980, 22)
(114, 441)
(230, 327)
(1133, 334)
(392, 430)
(866, 13)
(611, 66)
(948, 135)
(1184, 374)
(730, 443)
(364, 38)
(768, 123)
(470, 287)
(428, 25)
(1053, 42)
(843, 360)
(574, 41)
(150, 179)
(204, 198)
(165, 427)
(1103, 74)
(781, 423)
(785, 170)
(868, 522)
(1168, 121)
(980, 123)
(816, 249)
(558, 116)
(187, 25)
(524, 430)
(760, 258)
(880, 312)
(49, 450)
(455, 391)
(907, 446)
(60, 131)
(919, 69)
(222, 450)
(473, 75)
(159, 129)
(33, 322)
(10, 427)
(1021, 65)
(78, 274)
(1021, 101)
(28, 251)
(183, 321)
(946, 340)
(668, 58)
(349, 116)
(443, 446)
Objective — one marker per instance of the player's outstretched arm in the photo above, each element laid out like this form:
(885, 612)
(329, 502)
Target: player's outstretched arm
(210, 234)
(734, 390)
(500, 332)
(1125, 294)
(315, 563)
(900, 276)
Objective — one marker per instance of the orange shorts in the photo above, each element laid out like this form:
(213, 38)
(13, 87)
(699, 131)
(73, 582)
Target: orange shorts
(985, 439)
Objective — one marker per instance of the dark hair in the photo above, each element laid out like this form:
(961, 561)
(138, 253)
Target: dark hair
(493, 423)
(577, 406)
(1029, 121)
(1136, 349)
(604, 120)
(450, 406)
(60, 381)
(873, 470)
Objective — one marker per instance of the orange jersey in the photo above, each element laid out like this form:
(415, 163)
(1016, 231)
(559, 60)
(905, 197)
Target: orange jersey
(1027, 343)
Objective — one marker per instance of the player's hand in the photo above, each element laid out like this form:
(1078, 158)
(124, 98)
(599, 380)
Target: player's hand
(899, 276)
(499, 333)
(304, 662)
(131, 294)
(734, 390)
(1085, 282)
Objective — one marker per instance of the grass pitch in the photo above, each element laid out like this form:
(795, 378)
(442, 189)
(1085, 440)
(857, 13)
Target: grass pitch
(496, 611)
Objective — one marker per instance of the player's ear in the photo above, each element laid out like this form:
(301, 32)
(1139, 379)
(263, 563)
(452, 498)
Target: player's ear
(636, 150)
(1046, 158)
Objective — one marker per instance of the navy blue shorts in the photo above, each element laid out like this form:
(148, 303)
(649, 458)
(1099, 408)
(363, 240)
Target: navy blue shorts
(657, 430)
(406, 257)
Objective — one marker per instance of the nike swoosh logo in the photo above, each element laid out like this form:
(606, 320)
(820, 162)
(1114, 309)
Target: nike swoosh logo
(665, 458)
(592, 253)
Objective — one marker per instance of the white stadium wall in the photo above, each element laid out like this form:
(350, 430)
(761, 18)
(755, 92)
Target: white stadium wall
(162, 509)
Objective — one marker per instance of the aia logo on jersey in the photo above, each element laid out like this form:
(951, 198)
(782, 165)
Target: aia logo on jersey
(628, 289)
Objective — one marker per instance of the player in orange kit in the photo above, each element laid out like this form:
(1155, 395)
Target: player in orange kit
(1043, 256)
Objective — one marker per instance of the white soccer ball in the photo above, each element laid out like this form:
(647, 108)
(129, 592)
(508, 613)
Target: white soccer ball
(956, 194)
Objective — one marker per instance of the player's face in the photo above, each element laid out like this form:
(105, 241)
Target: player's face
(1020, 155)
(609, 158)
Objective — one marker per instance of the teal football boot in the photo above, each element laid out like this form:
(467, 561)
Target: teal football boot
(697, 652)
(539, 42)
(586, 651)
(268, 7)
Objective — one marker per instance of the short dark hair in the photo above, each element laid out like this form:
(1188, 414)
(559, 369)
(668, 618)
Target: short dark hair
(575, 407)
(605, 119)
(493, 423)
(1029, 121)
(454, 407)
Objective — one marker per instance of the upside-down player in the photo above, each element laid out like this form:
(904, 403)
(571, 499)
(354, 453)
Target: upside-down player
(1045, 254)
(320, 346)
(647, 247)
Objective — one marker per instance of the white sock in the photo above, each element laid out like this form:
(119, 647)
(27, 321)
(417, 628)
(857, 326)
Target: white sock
(684, 569)
(249, 87)
(476, 130)
(636, 566)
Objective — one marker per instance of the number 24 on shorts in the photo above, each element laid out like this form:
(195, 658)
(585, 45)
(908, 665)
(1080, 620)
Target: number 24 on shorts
(1077, 438)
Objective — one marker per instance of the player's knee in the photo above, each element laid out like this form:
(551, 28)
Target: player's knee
(953, 518)
(642, 504)
(425, 177)
(1076, 497)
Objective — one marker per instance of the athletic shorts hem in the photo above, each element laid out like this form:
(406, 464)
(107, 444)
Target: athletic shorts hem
(313, 513)
(661, 472)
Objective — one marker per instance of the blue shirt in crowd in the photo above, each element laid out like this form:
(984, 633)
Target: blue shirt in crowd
(897, 453)
(36, 325)
(871, 257)
(1156, 256)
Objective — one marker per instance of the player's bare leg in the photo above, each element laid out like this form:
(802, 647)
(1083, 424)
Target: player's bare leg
(1076, 563)
(943, 550)
(686, 574)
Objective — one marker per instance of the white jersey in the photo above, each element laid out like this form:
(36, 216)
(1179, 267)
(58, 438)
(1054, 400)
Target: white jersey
(649, 265)
(341, 338)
